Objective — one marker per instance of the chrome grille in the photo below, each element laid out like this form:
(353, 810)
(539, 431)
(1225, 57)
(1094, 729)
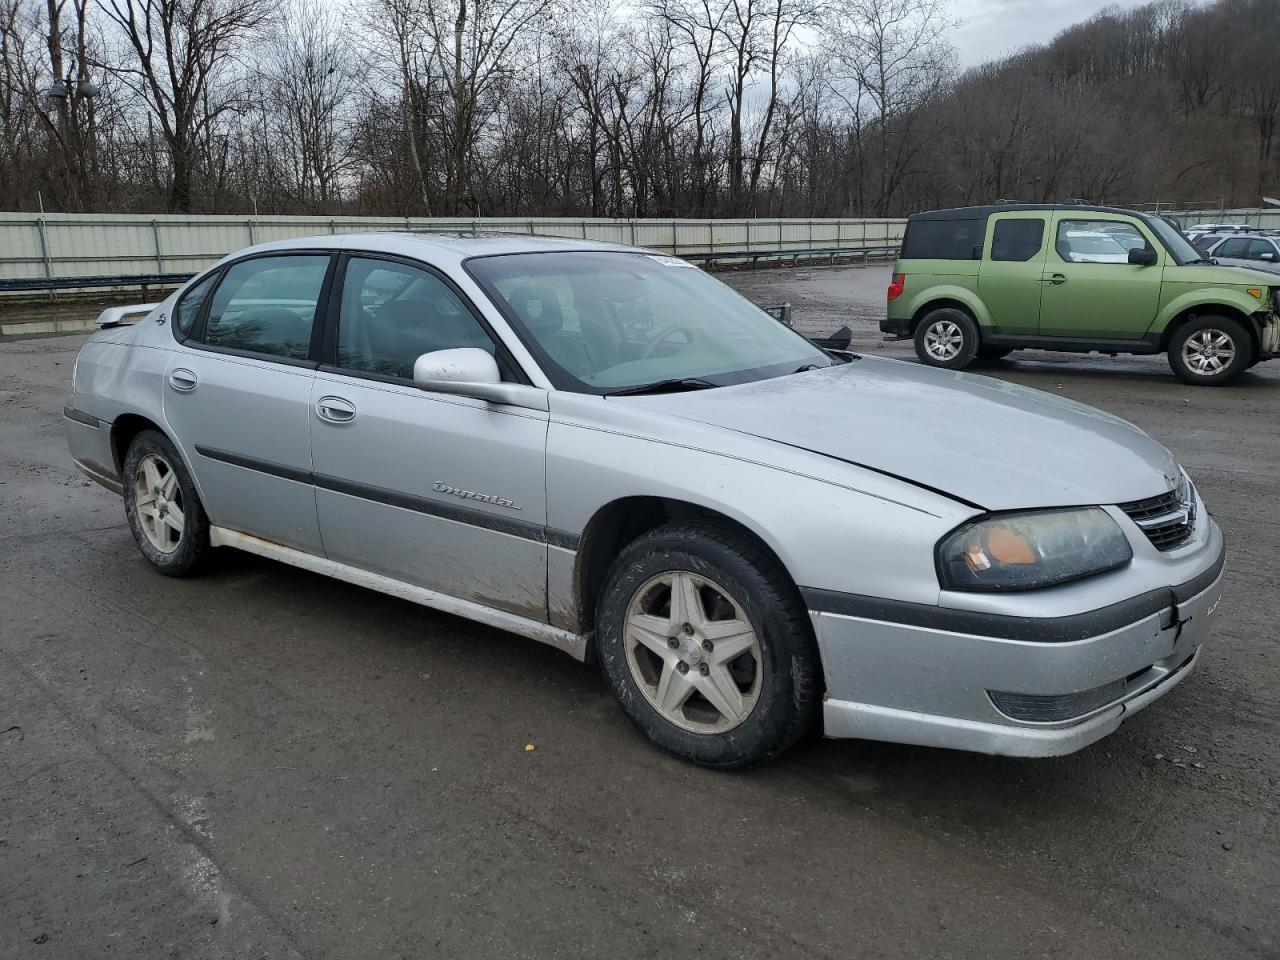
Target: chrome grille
(1168, 519)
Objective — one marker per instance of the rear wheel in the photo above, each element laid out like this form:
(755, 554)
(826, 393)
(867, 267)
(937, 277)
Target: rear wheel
(707, 646)
(1210, 351)
(947, 338)
(164, 511)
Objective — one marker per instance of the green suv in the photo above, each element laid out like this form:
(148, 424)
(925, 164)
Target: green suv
(984, 281)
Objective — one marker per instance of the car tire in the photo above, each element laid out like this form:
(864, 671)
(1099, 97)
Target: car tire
(1210, 351)
(947, 338)
(688, 610)
(164, 511)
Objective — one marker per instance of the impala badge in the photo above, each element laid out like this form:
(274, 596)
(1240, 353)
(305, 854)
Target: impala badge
(441, 487)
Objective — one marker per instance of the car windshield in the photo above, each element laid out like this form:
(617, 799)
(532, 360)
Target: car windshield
(608, 322)
(1180, 248)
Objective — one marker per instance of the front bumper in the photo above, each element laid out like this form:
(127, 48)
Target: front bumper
(923, 685)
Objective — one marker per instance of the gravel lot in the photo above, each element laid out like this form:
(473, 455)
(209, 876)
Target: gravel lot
(264, 763)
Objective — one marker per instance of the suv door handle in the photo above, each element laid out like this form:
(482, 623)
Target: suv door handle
(1056, 279)
(182, 379)
(335, 410)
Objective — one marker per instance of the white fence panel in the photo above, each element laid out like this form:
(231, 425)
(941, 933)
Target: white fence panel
(110, 245)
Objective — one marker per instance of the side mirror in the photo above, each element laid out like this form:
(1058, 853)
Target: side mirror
(1143, 257)
(1268, 256)
(472, 372)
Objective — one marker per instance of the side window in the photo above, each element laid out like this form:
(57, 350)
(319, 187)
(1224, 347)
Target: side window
(1097, 241)
(267, 305)
(944, 240)
(189, 307)
(1257, 248)
(392, 313)
(1236, 247)
(1016, 240)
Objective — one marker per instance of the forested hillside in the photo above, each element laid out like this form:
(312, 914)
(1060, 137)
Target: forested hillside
(666, 108)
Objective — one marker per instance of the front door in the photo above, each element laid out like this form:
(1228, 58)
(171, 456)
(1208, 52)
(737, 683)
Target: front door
(1090, 290)
(441, 491)
(1009, 278)
(238, 394)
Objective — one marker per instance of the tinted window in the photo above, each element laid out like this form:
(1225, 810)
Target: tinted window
(1097, 241)
(393, 313)
(267, 305)
(943, 240)
(1259, 248)
(192, 302)
(1017, 240)
(1235, 247)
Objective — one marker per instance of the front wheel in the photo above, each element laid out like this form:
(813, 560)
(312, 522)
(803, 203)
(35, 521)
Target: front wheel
(1210, 351)
(707, 646)
(947, 338)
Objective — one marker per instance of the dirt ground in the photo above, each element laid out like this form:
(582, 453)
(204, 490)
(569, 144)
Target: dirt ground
(264, 763)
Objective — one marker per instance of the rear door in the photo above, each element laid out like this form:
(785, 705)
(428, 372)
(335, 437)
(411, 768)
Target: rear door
(238, 395)
(437, 490)
(1090, 291)
(1010, 276)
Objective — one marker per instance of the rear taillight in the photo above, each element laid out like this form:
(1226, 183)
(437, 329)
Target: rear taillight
(895, 286)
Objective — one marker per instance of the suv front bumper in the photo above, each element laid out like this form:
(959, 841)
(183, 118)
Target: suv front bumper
(933, 687)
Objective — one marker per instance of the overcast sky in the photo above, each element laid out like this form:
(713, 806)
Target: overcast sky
(993, 28)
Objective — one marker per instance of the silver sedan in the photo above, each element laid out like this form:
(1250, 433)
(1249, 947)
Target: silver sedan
(612, 452)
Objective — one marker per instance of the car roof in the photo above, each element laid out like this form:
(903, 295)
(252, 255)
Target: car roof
(982, 212)
(440, 247)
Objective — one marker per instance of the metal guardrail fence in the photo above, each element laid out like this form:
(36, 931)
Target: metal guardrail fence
(62, 251)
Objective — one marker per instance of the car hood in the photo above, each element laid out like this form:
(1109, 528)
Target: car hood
(992, 444)
(1253, 266)
(1223, 275)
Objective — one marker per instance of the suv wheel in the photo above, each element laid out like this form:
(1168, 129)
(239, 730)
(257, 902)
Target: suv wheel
(707, 646)
(1210, 351)
(162, 506)
(947, 338)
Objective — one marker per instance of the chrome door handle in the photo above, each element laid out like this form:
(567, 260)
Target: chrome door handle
(335, 410)
(182, 380)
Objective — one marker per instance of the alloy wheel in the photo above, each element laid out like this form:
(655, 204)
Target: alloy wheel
(943, 340)
(1208, 352)
(693, 653)
(158, 502)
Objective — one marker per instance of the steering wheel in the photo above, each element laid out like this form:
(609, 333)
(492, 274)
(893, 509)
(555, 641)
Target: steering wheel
(665, 334)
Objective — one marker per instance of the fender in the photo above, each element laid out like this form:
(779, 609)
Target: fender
(1206, 299)
(951, 291)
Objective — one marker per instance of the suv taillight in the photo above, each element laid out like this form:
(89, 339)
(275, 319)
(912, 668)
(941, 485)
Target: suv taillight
(895, 286)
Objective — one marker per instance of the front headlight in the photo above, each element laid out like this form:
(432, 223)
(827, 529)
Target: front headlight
(1023, 551)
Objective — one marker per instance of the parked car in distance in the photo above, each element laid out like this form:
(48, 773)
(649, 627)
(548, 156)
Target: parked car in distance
(1260, 251)
(611, 452)
(983, 281)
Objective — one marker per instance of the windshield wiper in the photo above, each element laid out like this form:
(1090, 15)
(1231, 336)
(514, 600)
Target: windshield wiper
(673, 385)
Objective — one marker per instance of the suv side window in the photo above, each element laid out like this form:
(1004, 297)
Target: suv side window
(189, 307)
(392, 313)
(1097, 241)
(1235, 248)
(1259, 247)
(944, 240)
(1016, 240)
(267, 305)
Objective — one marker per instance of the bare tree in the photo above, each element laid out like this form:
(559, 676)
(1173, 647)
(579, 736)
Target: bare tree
(183, 61)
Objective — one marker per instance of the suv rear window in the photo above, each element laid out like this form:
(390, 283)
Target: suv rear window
(943, 240)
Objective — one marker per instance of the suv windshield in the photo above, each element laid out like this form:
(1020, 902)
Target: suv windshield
(605, 322)
(1180, 248)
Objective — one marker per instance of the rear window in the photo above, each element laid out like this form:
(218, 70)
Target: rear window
(943, 240)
